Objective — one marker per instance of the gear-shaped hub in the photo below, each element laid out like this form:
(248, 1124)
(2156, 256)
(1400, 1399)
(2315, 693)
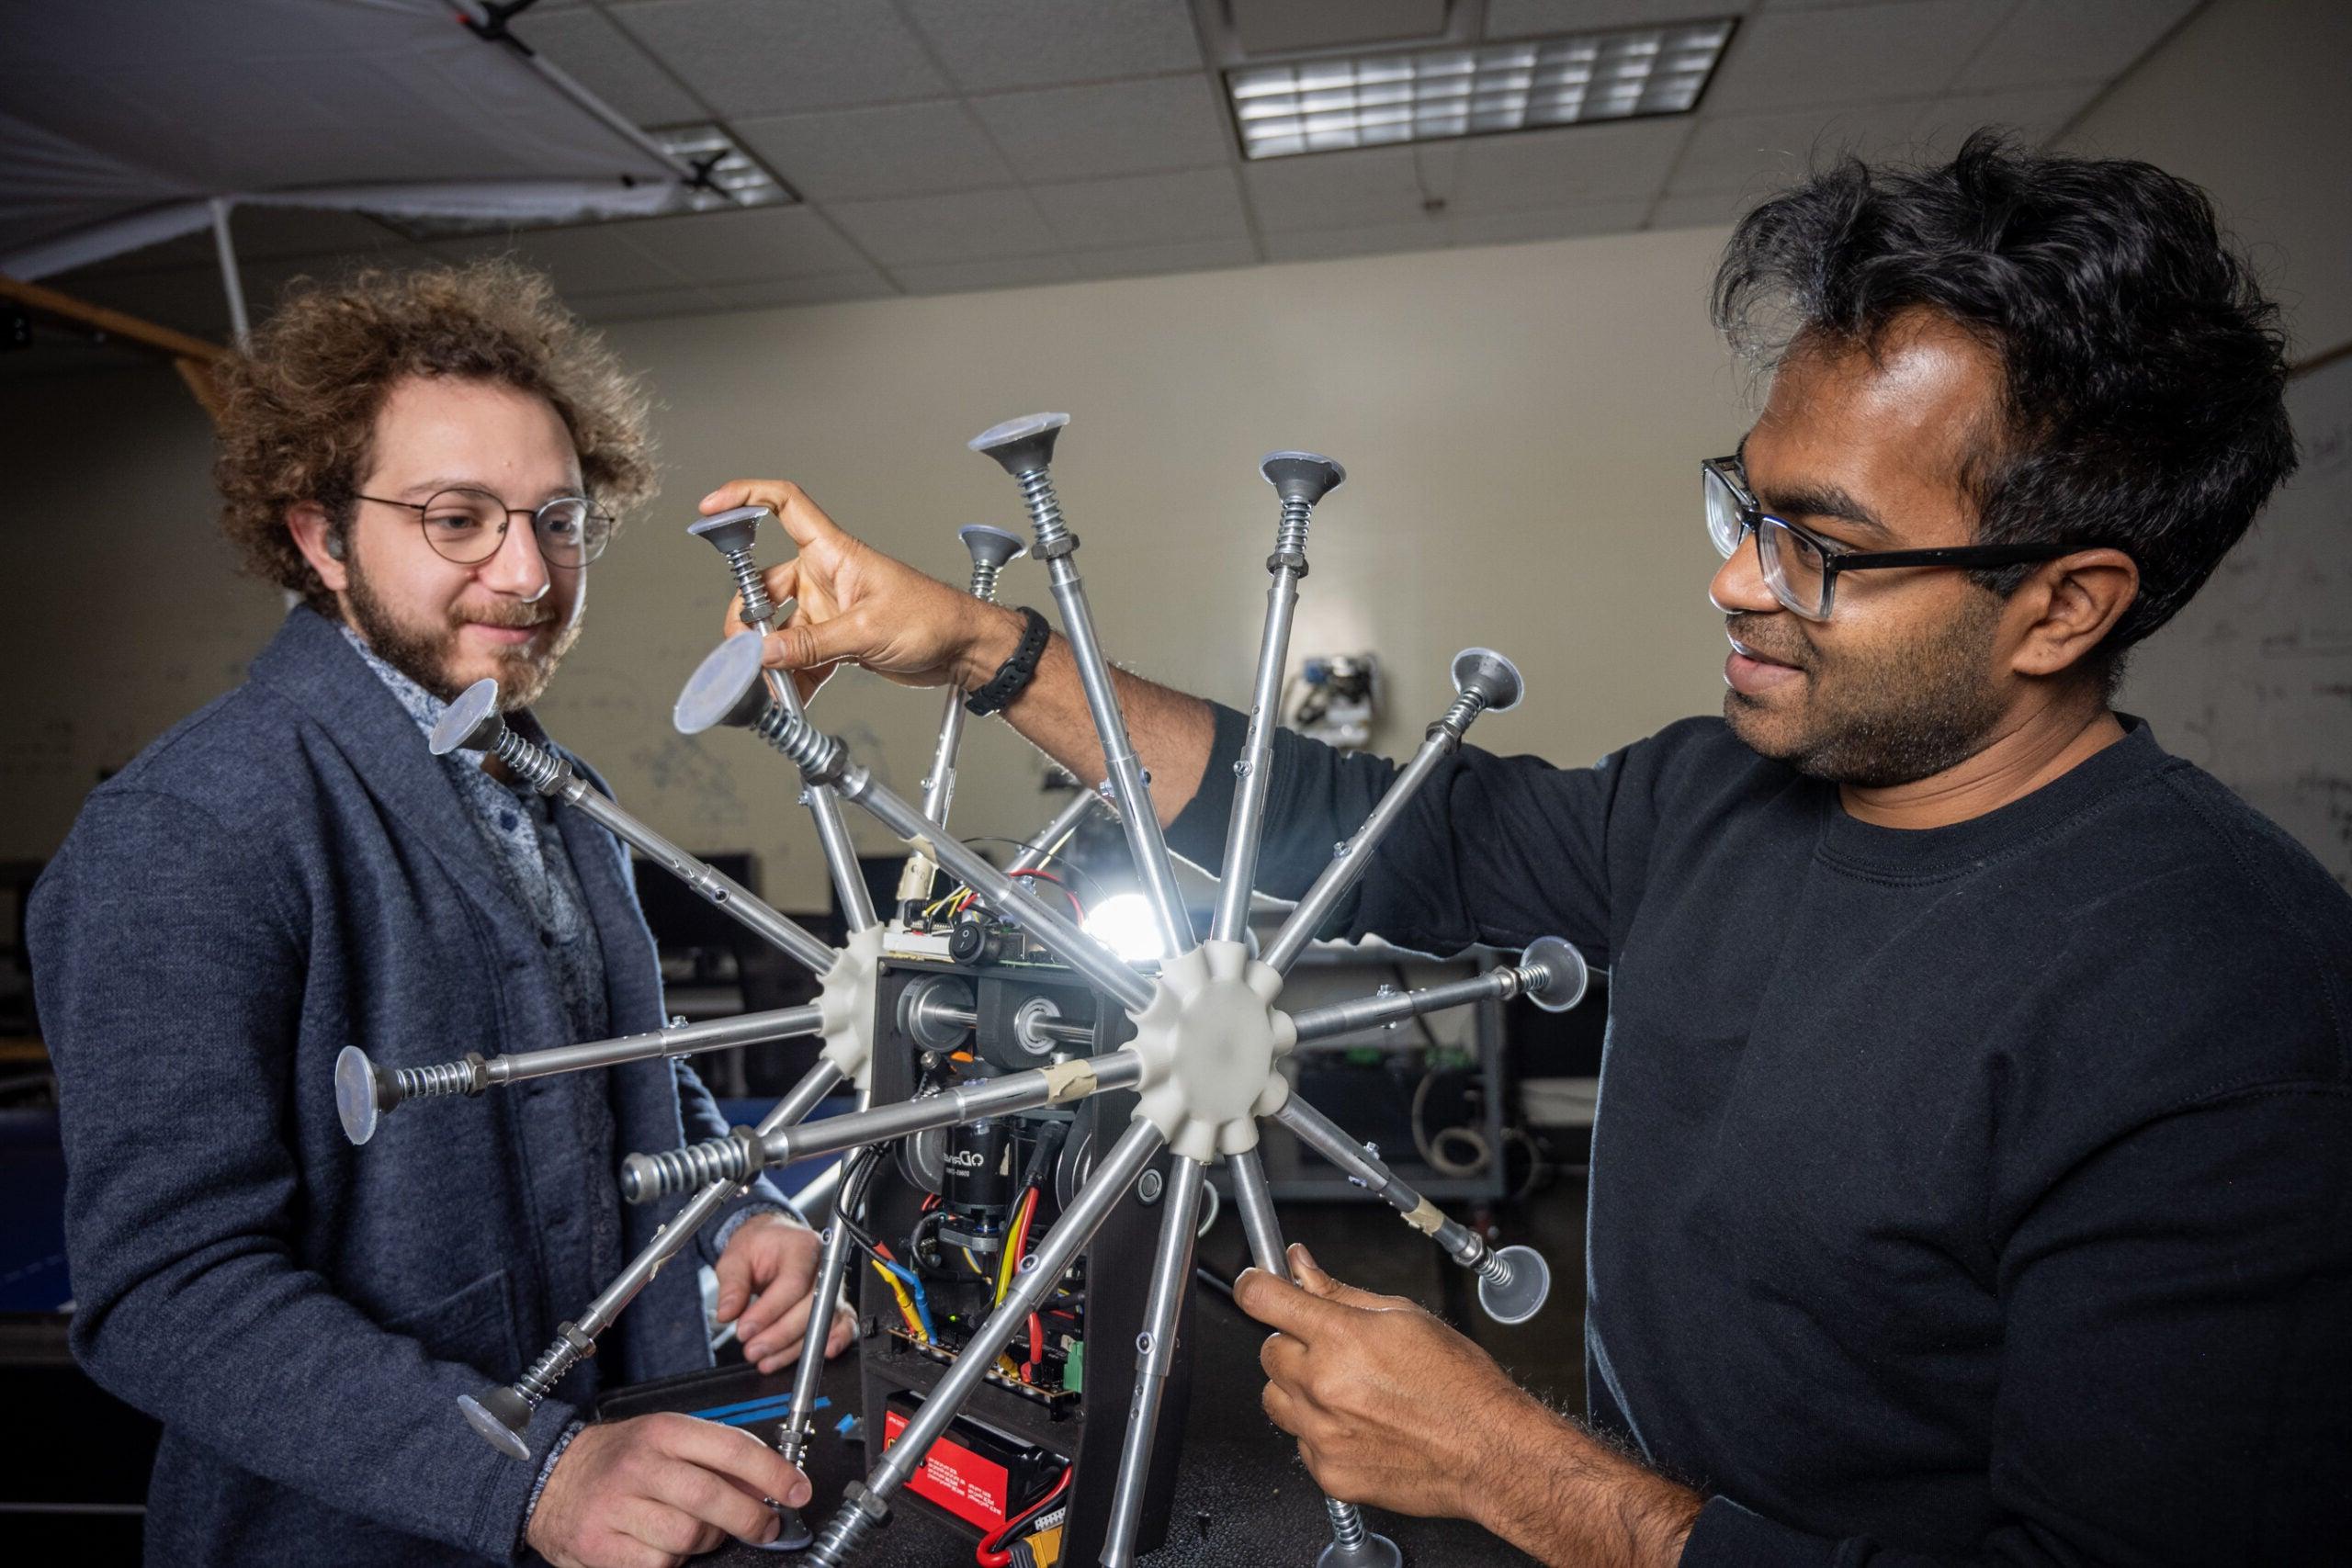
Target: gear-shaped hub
(1209, 1041)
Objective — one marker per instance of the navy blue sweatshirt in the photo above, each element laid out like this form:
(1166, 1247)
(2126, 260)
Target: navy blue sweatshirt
(1980, 1194)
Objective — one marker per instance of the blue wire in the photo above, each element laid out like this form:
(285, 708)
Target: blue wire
(915, 1289)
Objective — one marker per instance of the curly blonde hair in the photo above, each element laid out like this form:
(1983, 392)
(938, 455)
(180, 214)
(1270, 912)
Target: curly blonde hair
(299, 405)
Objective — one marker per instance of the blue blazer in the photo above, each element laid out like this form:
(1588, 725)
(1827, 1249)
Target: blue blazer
(287, 872)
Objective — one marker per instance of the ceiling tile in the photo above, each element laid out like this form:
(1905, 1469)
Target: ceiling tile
(963, 277)
(1336, 190)
(589, 261)
(1711, 209)
(1759, 152)
(737, 247)
(988, 44)
(1113, 128)
(1195, 255)
(1526, 18)
(970, 226)
(1321, 245)
(897, 149)
(1856, 54)
(1554, 223)
(1144, 209)
(2049, 42)
(750, 56)
(1563, 167)
(779, 292)
(609, 63)
(637, 305)
(2035, 113)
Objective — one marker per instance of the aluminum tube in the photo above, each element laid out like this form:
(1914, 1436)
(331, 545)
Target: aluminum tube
(231, 283)
(818, 1196)
(1248, 821)
(1071, 945)
(824, 804)
(1145, 840)
(1040, 849)
(832, 1270)
(991, 1096)
(1031, 1284)
(687, 1040)
(679, 1233)
(938, 793)
(1171, 1280)
(1348, 866)
(730, 896)
(1369, 1012)
(1327, 1138)
(1051, 1029)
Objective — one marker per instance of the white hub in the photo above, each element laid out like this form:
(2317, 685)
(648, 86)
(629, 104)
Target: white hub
(1209, 1041)
(847, 1005)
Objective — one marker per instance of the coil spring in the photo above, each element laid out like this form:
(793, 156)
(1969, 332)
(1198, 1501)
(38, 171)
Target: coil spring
(535, 765)
(1347, 1524)
(1494, 1271)
(984, 576)
(1291, 535)
(1044, 507)
(750, 585)
(688, 1169)
(841, 1536)
(544, 1373)
(817, 754)
(426, 1083)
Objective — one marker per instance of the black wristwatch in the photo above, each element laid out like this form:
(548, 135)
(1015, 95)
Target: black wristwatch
(1012, 677)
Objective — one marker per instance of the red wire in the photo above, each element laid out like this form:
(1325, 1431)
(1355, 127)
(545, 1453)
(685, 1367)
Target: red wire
(1036, 1345)
(1049, 877)
(988, 1553)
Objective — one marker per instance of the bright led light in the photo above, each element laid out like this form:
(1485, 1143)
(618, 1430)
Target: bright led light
(1125, 923)
(1328, 104)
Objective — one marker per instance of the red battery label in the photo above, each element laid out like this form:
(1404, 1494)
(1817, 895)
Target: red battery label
(964, 1484)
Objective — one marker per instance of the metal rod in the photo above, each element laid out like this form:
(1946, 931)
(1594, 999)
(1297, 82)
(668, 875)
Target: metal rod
(1363, 1165)
(938, 794)
(680, 1040)
(1171, 1280)
(231, 282)
(1043, 1027)
(1046, 840)
(1354, 857)
(740, 1156)
(832, 1270)
(1037, 1275)
(1371, 1012)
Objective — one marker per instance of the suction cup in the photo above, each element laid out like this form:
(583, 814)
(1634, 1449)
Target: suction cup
(472, 723)
(1492, 676)
(1302, 476)
(501, 1416)
(1372, 1551)
(1523, 1297)
(1022, 445)
(362, 1092)
(1566, 968)
(990, 546)
(725, 689)
(731, 531)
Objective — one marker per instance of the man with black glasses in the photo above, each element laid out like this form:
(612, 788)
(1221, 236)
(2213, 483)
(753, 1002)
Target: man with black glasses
(1972, 1177)
(431, 463)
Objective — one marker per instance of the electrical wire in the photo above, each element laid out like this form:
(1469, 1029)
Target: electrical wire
(991, 1554)
(1076, 907)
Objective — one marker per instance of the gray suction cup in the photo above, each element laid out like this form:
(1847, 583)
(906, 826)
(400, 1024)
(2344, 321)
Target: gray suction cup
(793, 1534)
(501, 1416)
(1022, 445)
(1566, 967)
(725, 689)
(1522, 1296)
(362, 1092)
(1302, 476)
(989, 547)
(472, 723)
(1371, 1550)
(1489, 674)
(730, 531)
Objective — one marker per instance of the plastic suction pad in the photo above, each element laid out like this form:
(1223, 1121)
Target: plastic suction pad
(472, 723)
(1489, 674)
(989, 547)
(1021, 445)
(792, 1535)
(732, 530)
(1522, 1298)
(362, 1091)
(1302, 476)
(1566, 967)
(725, 689)
(502, 1417)
(1374, 1550)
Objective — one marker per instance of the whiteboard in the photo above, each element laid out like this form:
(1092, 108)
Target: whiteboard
(2253, 679)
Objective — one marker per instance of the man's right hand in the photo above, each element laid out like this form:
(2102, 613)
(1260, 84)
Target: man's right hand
(653, 1490)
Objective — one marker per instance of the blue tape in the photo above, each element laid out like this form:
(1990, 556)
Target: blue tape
(753, 1410)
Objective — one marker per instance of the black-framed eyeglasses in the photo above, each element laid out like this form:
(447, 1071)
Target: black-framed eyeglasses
(1801, 567)
(466, 525)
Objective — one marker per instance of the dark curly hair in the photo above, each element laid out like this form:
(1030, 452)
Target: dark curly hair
(299, 405)
(2143, 406)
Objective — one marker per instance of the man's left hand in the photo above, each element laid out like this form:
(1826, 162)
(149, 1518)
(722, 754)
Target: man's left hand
(768, 1277)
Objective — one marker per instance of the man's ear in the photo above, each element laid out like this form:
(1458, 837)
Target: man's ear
(2074, 602)
(320, 543)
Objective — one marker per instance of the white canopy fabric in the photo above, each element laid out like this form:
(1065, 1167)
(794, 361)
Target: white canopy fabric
(122, 120)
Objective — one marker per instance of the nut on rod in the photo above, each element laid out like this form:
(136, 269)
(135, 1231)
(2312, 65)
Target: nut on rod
(1025, 449)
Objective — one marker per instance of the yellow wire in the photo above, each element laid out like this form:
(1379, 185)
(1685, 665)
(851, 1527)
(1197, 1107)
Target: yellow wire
(939, 904)
(906, 1302)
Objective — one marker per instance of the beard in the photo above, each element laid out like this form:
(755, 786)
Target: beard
(428, 654)
(1881, 716)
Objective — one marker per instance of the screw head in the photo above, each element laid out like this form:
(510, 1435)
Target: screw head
(472, 723)
(1021, 445)
(726, 687)
(990, 545)
(1488, 673)
(731, 531)
(1302, 476)
(1566, 967)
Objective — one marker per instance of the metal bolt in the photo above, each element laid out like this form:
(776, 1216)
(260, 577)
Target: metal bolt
(1148, 1186)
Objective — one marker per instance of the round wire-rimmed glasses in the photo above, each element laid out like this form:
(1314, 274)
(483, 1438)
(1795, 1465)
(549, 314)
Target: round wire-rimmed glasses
(1801, 567)
(466, 525)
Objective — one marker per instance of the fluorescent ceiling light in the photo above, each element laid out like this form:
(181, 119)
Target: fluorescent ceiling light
(1326, 105)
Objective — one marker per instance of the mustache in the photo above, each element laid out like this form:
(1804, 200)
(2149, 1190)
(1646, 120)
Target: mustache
(1751, 632)
(518, 616)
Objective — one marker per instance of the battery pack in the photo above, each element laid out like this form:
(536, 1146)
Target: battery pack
(981, 1476)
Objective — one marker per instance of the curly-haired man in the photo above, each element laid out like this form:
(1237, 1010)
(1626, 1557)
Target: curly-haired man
(1973, 1160)
(429, 462)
